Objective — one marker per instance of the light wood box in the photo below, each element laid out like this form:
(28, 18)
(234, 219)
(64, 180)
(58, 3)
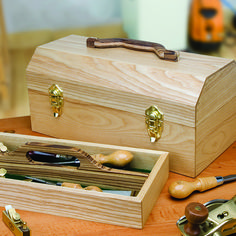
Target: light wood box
(129, 211)
(106, 93)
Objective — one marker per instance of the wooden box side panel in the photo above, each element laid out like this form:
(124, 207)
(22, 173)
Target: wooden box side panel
(81, 204)
(93, 123)
(216, 117)
(153, 186)
(75, 203)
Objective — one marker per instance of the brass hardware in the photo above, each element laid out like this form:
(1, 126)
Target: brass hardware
(24, 226)
(154, 122)
(14, 222)
(221, 219)
(3, 148)
(56, 99)
(2, 172)
(14, 215)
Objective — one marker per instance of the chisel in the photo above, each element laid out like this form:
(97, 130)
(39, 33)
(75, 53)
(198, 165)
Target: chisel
(182, 189)
(3, 173)
(73, 185)
(63, 184)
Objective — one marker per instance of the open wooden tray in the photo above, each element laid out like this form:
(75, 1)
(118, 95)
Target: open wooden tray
(129, 211)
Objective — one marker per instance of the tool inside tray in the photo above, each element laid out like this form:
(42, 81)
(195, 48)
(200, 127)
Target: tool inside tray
(68, 164)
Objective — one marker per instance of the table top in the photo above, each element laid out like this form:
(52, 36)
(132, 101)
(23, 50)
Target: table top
(163, 218)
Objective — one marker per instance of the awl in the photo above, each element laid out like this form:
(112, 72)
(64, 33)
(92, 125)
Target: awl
(182, 189)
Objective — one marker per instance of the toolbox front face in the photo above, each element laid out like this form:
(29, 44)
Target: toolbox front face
(112, 208)
(106, 95)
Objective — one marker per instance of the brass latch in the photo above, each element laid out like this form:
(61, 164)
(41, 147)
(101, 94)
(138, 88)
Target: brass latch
(154, 122)
(56, 99)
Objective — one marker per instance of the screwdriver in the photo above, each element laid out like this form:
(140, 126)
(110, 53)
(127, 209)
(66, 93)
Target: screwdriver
(182, 189)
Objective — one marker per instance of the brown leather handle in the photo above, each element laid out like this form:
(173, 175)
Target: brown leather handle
(139, 45)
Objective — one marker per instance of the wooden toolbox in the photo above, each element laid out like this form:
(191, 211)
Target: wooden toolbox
(112, 208)
(124, 97)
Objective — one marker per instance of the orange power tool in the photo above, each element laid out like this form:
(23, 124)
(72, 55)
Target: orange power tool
(206, 28)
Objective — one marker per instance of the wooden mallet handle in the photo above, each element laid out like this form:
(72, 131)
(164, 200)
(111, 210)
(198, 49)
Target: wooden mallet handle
(182, 189)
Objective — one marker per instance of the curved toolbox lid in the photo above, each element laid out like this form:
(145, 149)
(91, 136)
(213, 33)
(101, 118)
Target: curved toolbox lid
(123, 79)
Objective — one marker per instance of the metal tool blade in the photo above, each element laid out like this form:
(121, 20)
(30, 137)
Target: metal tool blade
(229, 178)
(39, 180)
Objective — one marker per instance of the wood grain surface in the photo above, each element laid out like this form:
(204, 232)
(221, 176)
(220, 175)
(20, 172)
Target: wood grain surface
(162, 219)
(216, 116)
(17, 163)
(106, 93)
(90, 122)
(131, 80)
(130, 211)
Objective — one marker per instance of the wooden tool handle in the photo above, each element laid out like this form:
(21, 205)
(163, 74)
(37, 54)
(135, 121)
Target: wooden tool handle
(93, 188)
(71, 185)
(119, 158)
(182, 189)
(78, 186)
(196, 213)
(157, 48)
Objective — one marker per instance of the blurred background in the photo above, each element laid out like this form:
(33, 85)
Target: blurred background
(199, 26)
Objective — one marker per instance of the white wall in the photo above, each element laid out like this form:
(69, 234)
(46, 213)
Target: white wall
(162, 21)
(27, 15)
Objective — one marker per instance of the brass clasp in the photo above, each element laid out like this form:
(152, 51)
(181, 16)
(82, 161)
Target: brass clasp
(56, 99)
(154, 122)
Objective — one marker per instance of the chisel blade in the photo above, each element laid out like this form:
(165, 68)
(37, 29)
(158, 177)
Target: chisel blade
(229, 178)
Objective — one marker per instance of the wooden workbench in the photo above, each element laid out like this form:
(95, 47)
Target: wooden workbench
(162, 220)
